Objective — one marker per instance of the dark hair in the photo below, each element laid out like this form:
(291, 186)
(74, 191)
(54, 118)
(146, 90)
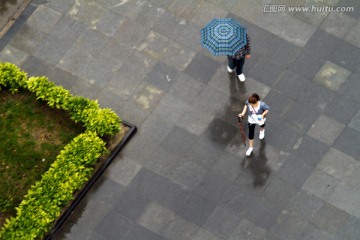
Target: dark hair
(254, 98)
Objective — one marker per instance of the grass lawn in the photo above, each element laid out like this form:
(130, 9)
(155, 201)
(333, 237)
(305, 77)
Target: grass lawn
(31, 136)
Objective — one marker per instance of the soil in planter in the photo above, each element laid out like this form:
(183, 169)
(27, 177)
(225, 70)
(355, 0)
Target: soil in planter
(31, 136)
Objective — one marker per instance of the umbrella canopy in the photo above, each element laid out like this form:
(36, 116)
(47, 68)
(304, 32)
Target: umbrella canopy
(223, 36)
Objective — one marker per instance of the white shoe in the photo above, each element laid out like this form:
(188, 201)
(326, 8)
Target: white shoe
(241, 77)
(262, 134)
(249, 151)
(229, 69)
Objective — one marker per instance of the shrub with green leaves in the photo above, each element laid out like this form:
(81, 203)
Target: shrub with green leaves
(44, 201)
(73, 166)
(12, 77)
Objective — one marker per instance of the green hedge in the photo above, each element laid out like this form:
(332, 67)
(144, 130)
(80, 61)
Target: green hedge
(44, 201)
(73, 166)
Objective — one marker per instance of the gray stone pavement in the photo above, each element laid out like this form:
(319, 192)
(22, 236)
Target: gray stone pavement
(185, 175)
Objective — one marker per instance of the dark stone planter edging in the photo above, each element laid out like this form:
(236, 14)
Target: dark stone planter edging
(93, 179)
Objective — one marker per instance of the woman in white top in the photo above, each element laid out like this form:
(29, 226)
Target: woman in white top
(257, 111)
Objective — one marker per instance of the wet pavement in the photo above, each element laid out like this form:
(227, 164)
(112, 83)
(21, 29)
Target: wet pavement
(184, 175)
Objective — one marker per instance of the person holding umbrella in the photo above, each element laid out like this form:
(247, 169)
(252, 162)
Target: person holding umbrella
(257, 111)
(226, 36)
(237, 61)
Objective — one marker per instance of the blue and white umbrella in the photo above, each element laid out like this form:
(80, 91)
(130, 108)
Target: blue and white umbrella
(223, 36)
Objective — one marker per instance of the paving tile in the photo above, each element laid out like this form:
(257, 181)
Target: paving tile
(90, 215)
(195, 208)
(283, 102)
(282, 137)
(278, 192)
(34, 66)
(158, 188)
(222, 222)
(162, 76)
(337, 24)
(154, 45)
(297, 31)
(167, 24)
(345, 197)
(162, 215)
(311, 232)
(297, 177)
(219, 132)
(320, 130)
(75, 60)
(180, 228)
(206, 12)
(288, 226)
(213, 187)
(27, 39)
(303, 205)
(348, 115)
(313, 17)
(43, 18)
(92, 41)
(348, 141)
(204, 234)
(266, 72)
(83, 12)
(107, 22)
(131, 204)
(349, 88)
(14, 55)
(135, 33)
(195, 121)
(68, 29)
(323, 44)
(329, 218)
(52, 49)
(148, 14)
(350, 229)
(248, 231)
(262, 213)
(86, 88)
(306, 64)
(177, 135)
(106, 190)
(171, 108)
(202, 68)
(320, 184)
(311, 158)
(178, 56)
(185, 9)
(123, 170)
(138, 232)
(332, 76)
(188, 175)
(353, 35)
(317, 96)
(355, 122)
(60, 7)
(61, 77)
(350, 3)
(113, 224)
(186, 88)
(146, 97)
(204, 154)
(337, 164)
(291, 84)
(211, 100)
(228, 166)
